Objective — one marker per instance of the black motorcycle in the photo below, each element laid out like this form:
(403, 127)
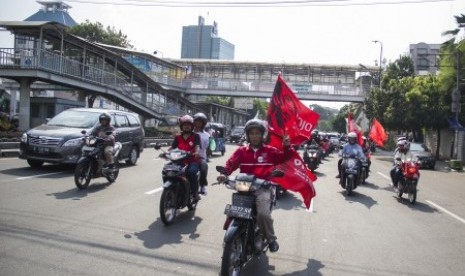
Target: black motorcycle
(243, 239)
(91, 163)
(312, 156)
(176, 188)
(350, 173)
(364, 171)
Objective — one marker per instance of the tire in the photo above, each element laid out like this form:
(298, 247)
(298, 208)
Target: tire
(399, 191)
(133, 156)
(412, 197)
(364, 176)
(168, 208)
(349, 185)
(222, 152)
(35, 163)
(192, 205)
(82, 175)
(231, 260)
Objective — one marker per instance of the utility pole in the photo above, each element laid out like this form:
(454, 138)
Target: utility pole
(380, 61)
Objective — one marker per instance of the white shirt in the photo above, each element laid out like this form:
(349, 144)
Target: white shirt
(204, 142)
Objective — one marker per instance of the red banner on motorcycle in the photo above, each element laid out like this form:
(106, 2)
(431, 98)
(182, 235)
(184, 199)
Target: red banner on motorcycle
(353, 127)
(288, 116)
(377, 133)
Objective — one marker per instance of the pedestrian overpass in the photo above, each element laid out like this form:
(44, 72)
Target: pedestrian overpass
(46, 53)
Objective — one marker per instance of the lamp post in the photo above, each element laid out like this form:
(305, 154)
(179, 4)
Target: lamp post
(156, 52)
(380, 60)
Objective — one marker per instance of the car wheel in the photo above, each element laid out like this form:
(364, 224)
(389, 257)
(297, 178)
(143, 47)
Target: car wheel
(133, 156)
(35, 163)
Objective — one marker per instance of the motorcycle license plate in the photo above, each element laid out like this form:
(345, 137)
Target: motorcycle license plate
(238, 211)
(87, 148)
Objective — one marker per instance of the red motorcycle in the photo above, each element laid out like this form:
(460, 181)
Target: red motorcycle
(408, 182)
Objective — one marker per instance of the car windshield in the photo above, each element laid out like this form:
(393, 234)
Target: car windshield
(417, 147)
(238, 130)
(75, 119)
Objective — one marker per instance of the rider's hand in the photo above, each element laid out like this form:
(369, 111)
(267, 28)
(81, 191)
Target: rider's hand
(221, 178)
(286, 140)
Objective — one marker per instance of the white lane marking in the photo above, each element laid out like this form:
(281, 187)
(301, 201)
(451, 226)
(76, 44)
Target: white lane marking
(153, 191)
(38, 175)
(385, 176)
(446, 211)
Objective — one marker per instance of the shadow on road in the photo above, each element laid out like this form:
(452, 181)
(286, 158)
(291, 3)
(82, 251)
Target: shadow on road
(368, 201)
(289, 201)
(77, 194)
(260, 266)
(158, 234)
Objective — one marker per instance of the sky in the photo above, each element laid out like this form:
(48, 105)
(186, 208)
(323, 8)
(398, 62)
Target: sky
(321, 32)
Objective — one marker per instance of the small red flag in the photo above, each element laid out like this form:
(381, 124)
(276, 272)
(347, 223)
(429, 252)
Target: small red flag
(353, 127)
(377, 133)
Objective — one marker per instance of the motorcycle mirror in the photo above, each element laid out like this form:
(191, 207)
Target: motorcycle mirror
(109, 132)
(277, 173)
(83, 132)
(398, 159)
(221, 169)
(157, 146)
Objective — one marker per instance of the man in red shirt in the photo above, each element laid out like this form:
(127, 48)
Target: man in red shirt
(189, 141)
(257, 158)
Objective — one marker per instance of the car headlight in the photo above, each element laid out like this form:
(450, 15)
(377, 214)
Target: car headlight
(24, 138)
(73, 142)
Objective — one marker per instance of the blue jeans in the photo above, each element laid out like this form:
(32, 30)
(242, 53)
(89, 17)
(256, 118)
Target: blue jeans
(191, 173)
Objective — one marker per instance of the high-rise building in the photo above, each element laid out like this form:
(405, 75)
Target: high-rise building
(202, 41)
(425, 58)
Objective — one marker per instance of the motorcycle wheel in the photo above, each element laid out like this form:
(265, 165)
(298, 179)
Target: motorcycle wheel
(112, 176)
(82, 175)
(168, 208)
(412, 196)
(349, 186)
(231, 260)
(399, 192)
(364, 176)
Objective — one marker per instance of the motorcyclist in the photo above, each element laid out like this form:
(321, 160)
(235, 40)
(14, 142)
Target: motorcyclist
(106, 131)
(350, 148)
(404, 154)
(200, 121)
(189, 141)
(366, 150)
(255, 158)
(313, 142)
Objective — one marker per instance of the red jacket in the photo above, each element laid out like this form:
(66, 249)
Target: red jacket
(188, 144)
(259, 162)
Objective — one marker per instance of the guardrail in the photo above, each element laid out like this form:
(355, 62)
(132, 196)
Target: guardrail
(11, 149)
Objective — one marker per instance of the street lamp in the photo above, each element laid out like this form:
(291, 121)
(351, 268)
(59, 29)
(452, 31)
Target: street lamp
(380, 60)
(156, 52)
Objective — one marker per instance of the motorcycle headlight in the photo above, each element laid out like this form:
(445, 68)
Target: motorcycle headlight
(24, 138)
(242, 186)
(73, 142)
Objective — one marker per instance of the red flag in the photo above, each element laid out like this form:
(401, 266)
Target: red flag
(353, 127)
(287, 115)
(377, 133)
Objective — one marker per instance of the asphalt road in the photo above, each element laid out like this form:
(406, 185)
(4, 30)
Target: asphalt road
(48, 227)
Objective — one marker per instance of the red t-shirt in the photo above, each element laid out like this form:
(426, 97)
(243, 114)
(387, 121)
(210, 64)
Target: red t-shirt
(187, 144)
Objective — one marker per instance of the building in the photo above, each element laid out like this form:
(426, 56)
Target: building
(56, 11)
(202, 42)
(425, 58)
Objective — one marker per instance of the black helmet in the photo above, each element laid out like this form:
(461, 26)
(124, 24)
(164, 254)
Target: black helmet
(256, 123)
(202, 117)
(104, 116)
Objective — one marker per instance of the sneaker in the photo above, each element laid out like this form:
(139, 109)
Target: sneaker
(203, 190)
(274, 246)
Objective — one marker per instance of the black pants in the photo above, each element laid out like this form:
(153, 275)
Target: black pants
(396, 175)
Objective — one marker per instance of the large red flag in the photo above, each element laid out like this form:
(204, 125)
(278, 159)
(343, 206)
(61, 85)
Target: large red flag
(377, 133)
(353, 127)
(287, 115)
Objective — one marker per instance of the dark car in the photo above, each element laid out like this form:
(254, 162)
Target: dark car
(423, 155)
(59, 141)
(236, 134)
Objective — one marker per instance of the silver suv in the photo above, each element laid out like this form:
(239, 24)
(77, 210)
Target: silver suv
(59, 141)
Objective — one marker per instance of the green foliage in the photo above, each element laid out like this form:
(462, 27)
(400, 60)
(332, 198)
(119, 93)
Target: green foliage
(96, 32)
(226, 101)
(261, 107)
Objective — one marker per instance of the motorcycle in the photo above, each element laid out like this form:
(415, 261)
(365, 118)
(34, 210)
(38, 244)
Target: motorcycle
(312, 156)
(176, 187)
(350, 173)
(243, 239)
(364, 169)
(409, 181)
(91, 163)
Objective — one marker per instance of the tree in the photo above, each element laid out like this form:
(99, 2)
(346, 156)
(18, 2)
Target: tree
(95, 32)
